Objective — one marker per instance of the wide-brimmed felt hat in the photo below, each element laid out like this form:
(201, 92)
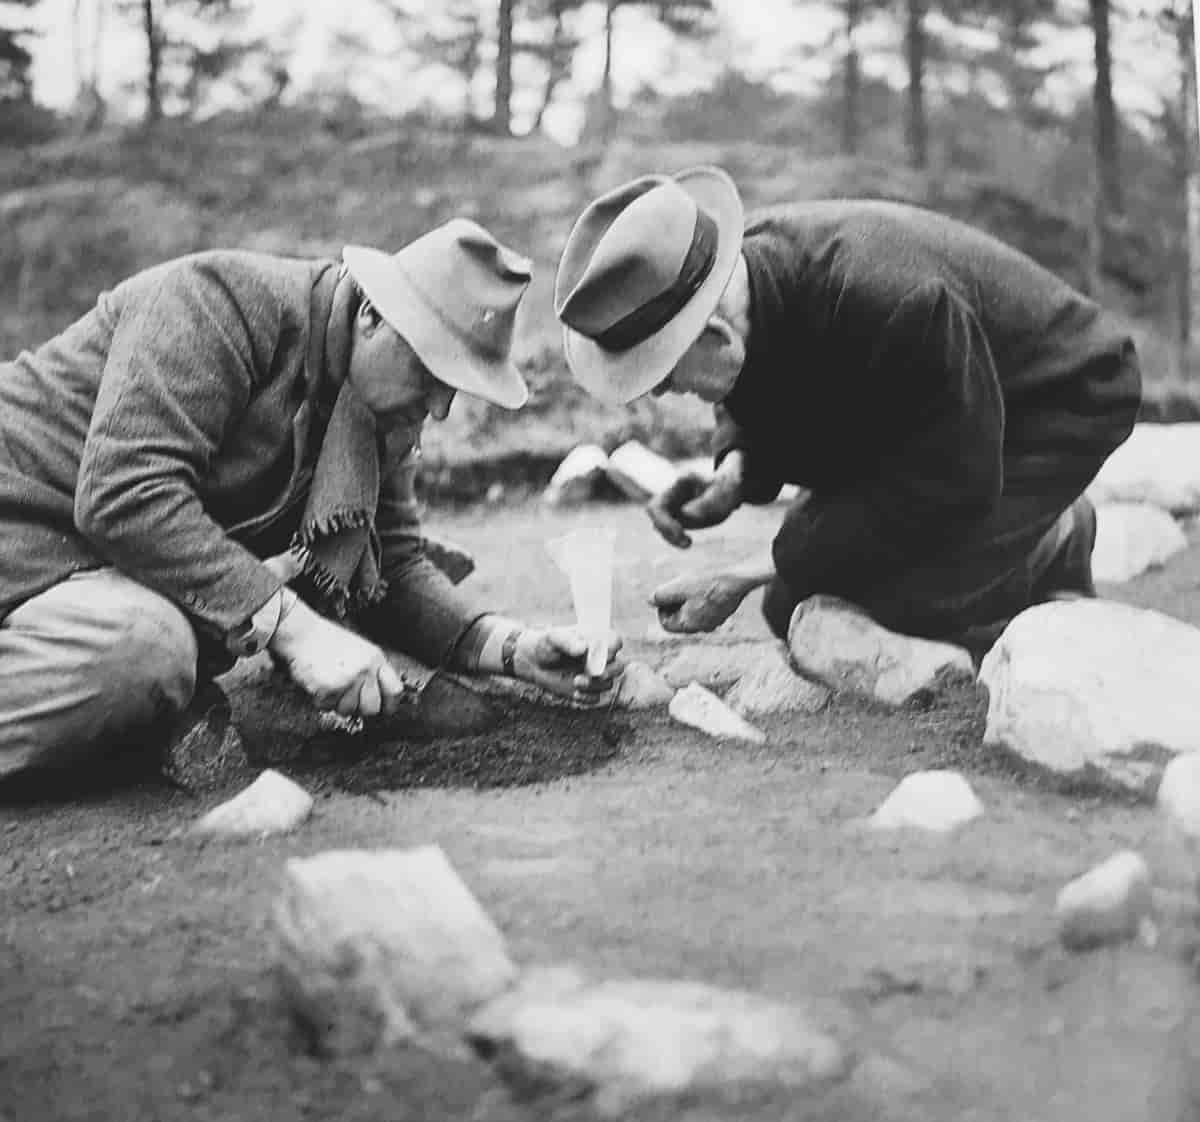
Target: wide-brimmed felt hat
(643, 270)
(452, 294)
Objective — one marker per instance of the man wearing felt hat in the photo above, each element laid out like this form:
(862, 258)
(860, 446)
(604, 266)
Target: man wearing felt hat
(218, 459)
(941, 399)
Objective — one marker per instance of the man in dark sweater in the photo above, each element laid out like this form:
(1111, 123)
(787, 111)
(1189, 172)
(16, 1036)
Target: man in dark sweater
(942, 399)
(218, 459)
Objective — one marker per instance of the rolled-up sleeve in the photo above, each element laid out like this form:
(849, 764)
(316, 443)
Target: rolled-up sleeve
(944, 470)
(179, 372)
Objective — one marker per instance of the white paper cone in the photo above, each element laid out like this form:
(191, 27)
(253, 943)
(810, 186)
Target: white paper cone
(586, 559)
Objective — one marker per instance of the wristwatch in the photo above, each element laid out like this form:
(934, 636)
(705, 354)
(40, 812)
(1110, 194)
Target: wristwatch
(254, 634)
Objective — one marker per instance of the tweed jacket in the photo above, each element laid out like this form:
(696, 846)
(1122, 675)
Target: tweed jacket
(913, 374)
(172, 431)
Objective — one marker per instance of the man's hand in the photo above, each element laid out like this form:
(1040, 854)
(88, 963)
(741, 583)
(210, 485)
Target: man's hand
(554, 658)
(340, 670)
(701, 602)
(693, 502)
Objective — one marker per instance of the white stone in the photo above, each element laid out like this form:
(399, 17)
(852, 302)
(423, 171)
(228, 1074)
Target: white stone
(929, 800)
(1095, 690)
(716, 666)
(626, 1041)
(1109, 904)
(638, 472)
(770, 686)
(378, 946)
(642, 688)
(576, 477)
(272, 804)
(838, 644)
(1179, 794)
(702, 709)
(1158, 464)
(1131, 538)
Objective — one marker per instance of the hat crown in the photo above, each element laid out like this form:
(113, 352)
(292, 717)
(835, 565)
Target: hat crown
(470, 281)
(637, 259)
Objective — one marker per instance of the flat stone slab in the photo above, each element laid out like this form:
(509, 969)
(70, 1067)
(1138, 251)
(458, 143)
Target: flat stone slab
(642, 687)
(1094, 690)
(938, 801)
(380, 946)
(771, 687)
(1179, 794)
(716, 666)
(1131, 538)
(702, 709)
(272, 804)
(622, 1041)
(1159, 464)
(1110, 904)
(838, 644)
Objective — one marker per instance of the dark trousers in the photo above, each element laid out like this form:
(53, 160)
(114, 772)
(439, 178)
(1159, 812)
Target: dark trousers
(1021, 555)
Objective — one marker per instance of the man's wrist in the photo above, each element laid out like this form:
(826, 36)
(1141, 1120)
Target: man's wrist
(257, 632)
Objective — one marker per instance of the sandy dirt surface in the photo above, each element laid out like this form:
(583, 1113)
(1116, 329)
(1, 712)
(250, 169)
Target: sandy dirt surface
(135, 961)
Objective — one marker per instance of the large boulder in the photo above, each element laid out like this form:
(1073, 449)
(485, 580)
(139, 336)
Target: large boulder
(625, 1041)
(1094, 690)
(1158, 464)
(1131, 538)
(840, 645)
(380, 946)
(717, 666)
(576, 478)
(638, 472)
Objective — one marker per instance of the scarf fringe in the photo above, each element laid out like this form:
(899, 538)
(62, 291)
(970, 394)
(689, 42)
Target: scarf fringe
(335, 522)
(335, 597)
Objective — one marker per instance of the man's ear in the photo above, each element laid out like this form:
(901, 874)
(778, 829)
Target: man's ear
(367, 317)
(719, 332)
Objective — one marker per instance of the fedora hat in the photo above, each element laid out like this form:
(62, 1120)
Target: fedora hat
(643, 270)
(452, 294)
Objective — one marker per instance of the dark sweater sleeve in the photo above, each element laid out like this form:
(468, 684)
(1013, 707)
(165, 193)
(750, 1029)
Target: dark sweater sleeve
(943, 471)
(179, 372)
(423, 614)
(760, 484)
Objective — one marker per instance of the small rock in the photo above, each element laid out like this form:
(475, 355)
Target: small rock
(495, 493)
(272, 804)
(929, 800)
(638, 472)
(1131, 538)
(701, 709)
(772, 686)
(630, 1041)
(1179, 793)
(453, 560)
(642, 688)
(576, 477)
(715, 666)
(1158, 464)
(839, 644)
(378, 946)
(1109, 904)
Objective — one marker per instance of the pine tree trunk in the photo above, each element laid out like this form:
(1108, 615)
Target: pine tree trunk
(1108, 157)
(153, 62)
(852, 81)
(502, 111)
(1190, 48)
(557, 65)
(918, 127)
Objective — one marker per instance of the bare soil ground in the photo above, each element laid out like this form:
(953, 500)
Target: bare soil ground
(135, 961)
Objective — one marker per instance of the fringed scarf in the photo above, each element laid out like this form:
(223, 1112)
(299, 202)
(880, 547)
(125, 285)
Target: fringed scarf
(336, 543)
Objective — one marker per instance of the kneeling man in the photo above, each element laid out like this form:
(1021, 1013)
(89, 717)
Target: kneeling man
(942, 400)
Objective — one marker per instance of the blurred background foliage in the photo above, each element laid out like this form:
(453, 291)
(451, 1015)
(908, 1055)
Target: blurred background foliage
(972, 107)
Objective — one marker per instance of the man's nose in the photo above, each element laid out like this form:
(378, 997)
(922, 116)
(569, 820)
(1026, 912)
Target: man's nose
(439, 402)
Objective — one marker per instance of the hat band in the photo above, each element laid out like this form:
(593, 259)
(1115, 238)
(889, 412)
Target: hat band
(649, 318)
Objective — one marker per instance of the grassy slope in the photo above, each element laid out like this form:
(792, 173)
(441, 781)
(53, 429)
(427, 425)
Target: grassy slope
(77, 216)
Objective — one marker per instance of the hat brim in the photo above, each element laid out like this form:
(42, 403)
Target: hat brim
(447, 356)
(618, 377)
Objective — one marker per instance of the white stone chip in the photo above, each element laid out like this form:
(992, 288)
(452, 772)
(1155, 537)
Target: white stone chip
(1158, 464)
(702, 709)
(379, 946)
(1179, 794)
(1094, 690)
(576, 477)
(839, 644)
(642, 687)
(929, 800)
(638, 472)
(272, 804)
(1131, 538)
(1109, 904)
(625, 1041)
